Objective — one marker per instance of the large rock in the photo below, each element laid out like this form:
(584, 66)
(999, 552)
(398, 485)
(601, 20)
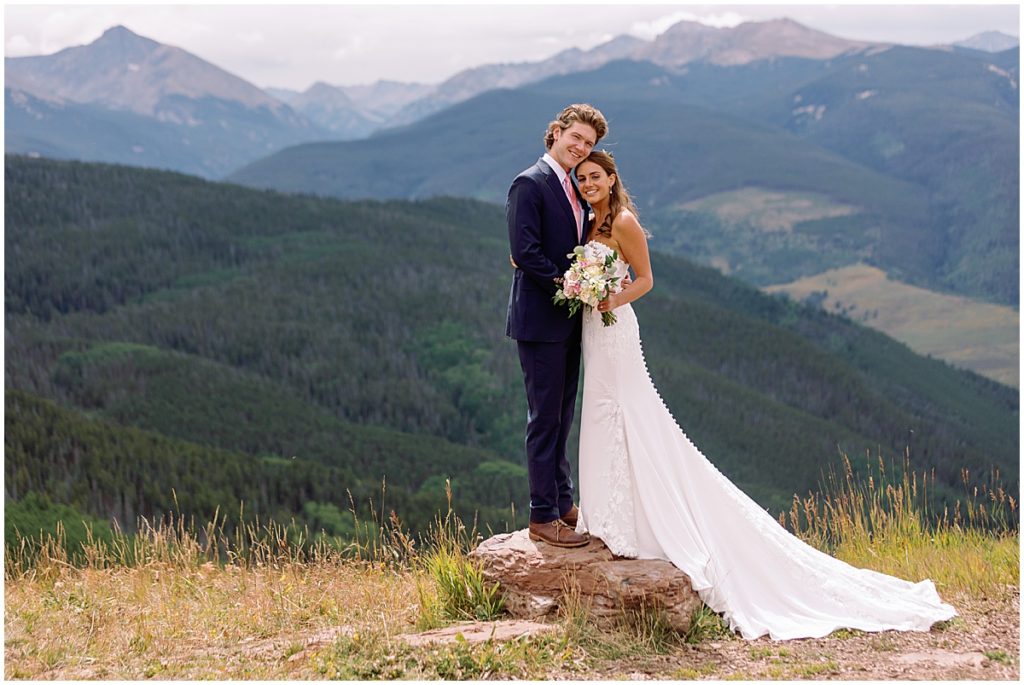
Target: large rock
(534, 576)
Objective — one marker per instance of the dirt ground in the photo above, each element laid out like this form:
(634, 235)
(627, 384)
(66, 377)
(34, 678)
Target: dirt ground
(982, 643)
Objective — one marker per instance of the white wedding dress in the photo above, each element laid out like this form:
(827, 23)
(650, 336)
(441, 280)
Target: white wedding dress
(648, 492)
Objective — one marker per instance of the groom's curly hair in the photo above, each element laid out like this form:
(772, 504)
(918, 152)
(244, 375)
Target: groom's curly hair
(583, 113)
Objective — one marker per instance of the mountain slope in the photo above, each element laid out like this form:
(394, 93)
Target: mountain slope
(687, 42)
(118, 473)
(476, 80)
(469, 149)
(352, 112)
(989, 41)
(949, 124)
(123, 70)
(391, 315)
(68, 130)
(129, 99)
(333, 110)
(681, 44)
(973, 335)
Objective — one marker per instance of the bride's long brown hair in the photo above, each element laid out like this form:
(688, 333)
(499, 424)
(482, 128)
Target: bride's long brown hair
(618, 196)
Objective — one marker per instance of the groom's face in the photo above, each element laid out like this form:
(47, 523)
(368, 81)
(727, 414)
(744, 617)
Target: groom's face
(572, 145)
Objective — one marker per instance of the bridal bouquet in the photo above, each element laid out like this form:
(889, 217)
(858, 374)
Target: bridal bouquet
(590, 280)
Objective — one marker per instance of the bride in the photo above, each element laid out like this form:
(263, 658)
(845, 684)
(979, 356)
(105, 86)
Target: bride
(648, 492)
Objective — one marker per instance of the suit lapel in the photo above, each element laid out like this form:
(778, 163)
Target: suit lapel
(559, 192)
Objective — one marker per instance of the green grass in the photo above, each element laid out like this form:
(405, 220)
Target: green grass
(811, 670)
(706, 625)
(999, 656)
(452, 586)
(373, 656)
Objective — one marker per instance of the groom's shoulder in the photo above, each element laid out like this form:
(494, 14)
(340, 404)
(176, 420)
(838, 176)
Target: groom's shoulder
(529, 180)
(536, 171)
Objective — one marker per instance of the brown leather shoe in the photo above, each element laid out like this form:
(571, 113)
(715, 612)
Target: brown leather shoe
(558, 534)
(571, 517)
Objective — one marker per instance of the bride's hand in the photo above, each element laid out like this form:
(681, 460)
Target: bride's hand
(609, 303)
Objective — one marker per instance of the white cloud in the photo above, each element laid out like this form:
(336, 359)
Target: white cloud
(18, 45)
(725, 20)
(352, 46)
(648, 30)
(252, 38)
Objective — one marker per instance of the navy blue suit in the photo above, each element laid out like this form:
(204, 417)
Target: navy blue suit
(542, 234)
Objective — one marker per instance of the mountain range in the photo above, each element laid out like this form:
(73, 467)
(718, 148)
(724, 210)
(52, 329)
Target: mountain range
(125, 98)
(124, 71)
(351, 112)
(683, 43)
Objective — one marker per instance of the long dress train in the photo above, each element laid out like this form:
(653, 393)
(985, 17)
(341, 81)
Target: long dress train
(648, 492)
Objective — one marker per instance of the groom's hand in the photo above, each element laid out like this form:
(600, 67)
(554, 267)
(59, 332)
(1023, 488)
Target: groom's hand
(626, 281)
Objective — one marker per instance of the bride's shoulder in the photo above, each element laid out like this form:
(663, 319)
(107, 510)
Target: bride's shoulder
(624, 215)
(625, 220)
(626, 226)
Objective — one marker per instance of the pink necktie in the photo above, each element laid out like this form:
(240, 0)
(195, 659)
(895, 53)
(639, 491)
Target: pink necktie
(577, 211)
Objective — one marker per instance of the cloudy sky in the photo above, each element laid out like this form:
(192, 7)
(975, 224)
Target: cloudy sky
(292, 47)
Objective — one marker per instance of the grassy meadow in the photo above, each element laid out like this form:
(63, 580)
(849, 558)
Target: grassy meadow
(177, 600)
(974, 335)
(768, 210)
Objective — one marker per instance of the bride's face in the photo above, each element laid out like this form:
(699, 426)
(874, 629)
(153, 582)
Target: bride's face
(595, 183)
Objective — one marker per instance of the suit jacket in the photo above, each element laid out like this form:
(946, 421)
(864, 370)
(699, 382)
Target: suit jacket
(541, 235)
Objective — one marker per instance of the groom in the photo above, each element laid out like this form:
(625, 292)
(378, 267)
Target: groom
(547, 219)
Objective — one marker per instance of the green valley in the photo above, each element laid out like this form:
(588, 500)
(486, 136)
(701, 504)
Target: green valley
(171, 337)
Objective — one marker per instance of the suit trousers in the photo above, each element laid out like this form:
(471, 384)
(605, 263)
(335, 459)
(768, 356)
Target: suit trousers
(551, 371)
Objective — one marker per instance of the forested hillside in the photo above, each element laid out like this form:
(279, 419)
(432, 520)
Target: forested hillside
(163, 332)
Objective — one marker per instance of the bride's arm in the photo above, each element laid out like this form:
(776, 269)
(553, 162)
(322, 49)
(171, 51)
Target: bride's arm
(632, 241)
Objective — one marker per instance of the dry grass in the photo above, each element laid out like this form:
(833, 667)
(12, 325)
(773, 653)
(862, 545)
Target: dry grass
(173, 601)
(885, 522)
(974, 335)
(149, 620)
(769, 210)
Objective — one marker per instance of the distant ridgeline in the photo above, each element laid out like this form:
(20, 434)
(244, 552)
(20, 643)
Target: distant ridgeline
(180, 345)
